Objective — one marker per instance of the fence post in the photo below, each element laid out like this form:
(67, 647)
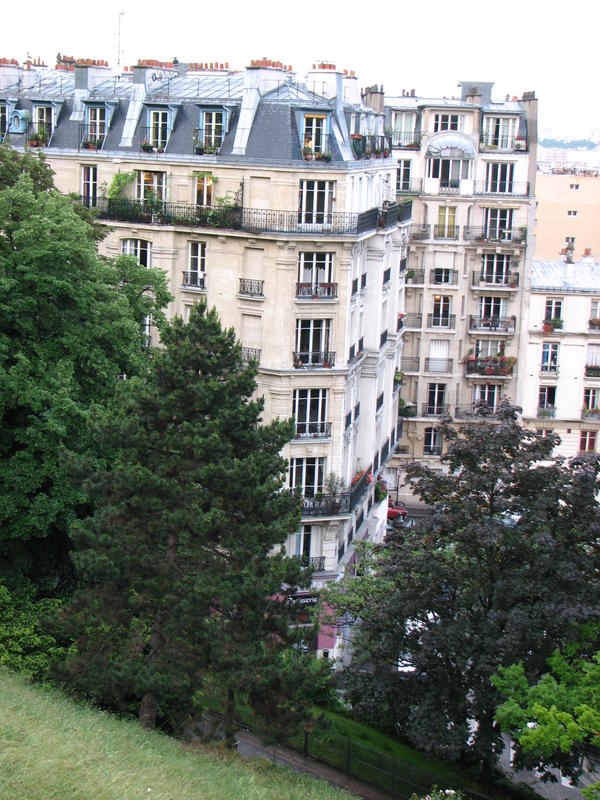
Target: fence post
(305, 743)
(348, 755)
(393, 777)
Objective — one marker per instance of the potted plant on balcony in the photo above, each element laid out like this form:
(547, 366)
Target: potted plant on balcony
(556, 323)
(595, 323)
(146, 146)
(406, 409)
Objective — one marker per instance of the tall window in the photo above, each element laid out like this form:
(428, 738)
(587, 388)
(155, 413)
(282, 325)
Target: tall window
(495, 268)
(315, 269)
(403, 175)
(96, 127)
(303, 541)
(448, 170)
(591, 399)
(441, 311)
(488, 347)
(158, 129)
(498, 223)
(140, 248)
(447, 122)
(204, 186)
(89, 185)
(436, 398)
(312, 340)
(499, 131)
(213, 128)
(432, 442)
(315, 202)
(315, 128)
(492, 308)
(595, 309)
(547, 397)
(195, 275)
(550, 357)
(310, 412)
(404, 124)
(488, 393)
(499, 177)
(150, 185)
(3, 120)
(587, 441)
(307, 475)
(593, 355)
(553, 308)
(446, 227)
(43, 121)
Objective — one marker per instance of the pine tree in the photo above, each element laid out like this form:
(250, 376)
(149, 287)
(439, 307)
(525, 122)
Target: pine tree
(183, 581)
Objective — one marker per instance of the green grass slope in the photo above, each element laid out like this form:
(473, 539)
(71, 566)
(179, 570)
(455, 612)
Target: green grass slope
(52, 748)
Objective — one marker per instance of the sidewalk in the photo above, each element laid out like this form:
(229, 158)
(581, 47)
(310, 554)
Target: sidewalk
(251, 746)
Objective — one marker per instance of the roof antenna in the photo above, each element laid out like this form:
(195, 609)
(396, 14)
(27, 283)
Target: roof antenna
(121, 14)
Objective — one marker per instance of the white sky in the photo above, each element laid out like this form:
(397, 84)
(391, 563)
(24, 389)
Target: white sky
(403, 44)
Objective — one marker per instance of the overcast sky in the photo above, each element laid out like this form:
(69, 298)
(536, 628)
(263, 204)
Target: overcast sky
(427, 46)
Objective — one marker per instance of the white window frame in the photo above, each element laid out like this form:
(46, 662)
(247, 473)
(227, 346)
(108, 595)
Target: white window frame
(96, 122)
(553, 308)
(587, 441)
(140, 248)
(315, 202)
(432, 441)
(196, 272)
(159, 127)
(213, 127)
(492, 307)
(307, 475)
(495, 268)
(150, 182)
(403, 175)
(547, 396)
(499, 223)
(444, 121)
(549, 357)
(499, 176)
(314, 137)
(310, 412)
(204, 190)
(43, 120)
(311, 332)
(89, 185)
(499, 131)
(315, 268)
(488, 393)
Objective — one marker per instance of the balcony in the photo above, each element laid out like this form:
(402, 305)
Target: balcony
(405, 211)
(594, 324)
(91, 137)
(330, 504)
(206, 145)
(320, 291)
(478, 409)
(415, 277)
(445, 231)
(441, 365)
(492, 324)
(494, 233)
(443, 277)
(414, 321)
(446, 321)
(194, 280)
(499, 280)
(153, 139)
(591, 414)
(499, 143)
(250, 354)
(39, 134)
(432, 449)
(419, 232)
(406, 138)
(251, 288)
(413, 186)
(592, 371)
(317, 149)
(389, 215)
(370, 146)
(314, 358)
(545, 412)
(502, 188)
(312, 430)
(498, 366)
(410, 364)
(434, 409)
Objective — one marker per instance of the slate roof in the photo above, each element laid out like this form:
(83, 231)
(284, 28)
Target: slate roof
(581, 277)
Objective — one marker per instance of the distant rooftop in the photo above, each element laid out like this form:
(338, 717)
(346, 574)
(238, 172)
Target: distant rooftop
(580, 277)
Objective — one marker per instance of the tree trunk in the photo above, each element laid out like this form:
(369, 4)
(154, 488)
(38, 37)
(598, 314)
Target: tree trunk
(148, 708)
(229, 721)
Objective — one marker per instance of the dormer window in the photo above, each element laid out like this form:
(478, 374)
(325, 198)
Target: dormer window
(158, 127)
(499, 132)
(208, 137)
(94, 130)
(314, 139)
(42, 123)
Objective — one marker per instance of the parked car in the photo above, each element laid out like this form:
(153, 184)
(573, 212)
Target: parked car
(396, 510)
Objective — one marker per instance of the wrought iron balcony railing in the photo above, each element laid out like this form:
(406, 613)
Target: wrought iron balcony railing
(413, 320)
(413, 186)
(445, 231)
(410, 363)
(498, 366)
(419, 232)
(91, 137)
(406, 138)
(499, 280)
(314, 358)
(438, 364)
(478, 409)
(207, 143)
(312, 430)
(443, 277)
(319, 291)
(494, 233)
(493, 324)
(447, 321)
(251, 287)
(546, 411)
(434, 409)
(502, 188)
(592, 371)
(370, 146)
(154, 139)
(415, 276)
(432, 449)
(592, 414)
(250, 354)
(194, 280)
(490, 143)
(317, 148)
(405, 211)
(330, 504)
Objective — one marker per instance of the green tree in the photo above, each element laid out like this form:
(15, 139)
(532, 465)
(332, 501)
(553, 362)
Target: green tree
(183, 583)
(555, 720)
(70, 324)
(501, 572)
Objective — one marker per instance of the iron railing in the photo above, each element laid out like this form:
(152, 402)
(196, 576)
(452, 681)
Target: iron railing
(91, 137)
(493, 324)
(507, 280)
(389, 215)
(318, 291)
(443, 277)
(415, 276)
(592, 371)
(410, 363)
(413, 320)
(592, 414)
(494, 233)
(314, 358)
(502, 143)
(546, 411)
(204, 144)
(420, 232)
(406, 212)
(153, 139)
(441, 321)
(312, 430)
(250, 354)
(445, 231)
(474, 410)
(252, 287)
(406, 138)
(492, 365)
(432, 450)
(434, 409)
(194, 280)
(438, 364)
(318, 149)
(370, 146)
(330, 504)
(502, 188)
(413, 186)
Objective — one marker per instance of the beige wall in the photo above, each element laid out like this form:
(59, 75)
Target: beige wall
(555, 198)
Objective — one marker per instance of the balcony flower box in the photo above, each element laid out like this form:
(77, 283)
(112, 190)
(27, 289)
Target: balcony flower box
(147, 147)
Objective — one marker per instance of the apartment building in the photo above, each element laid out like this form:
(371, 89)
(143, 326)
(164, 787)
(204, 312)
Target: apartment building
(274, 201)
(568, 205)
(468, 163)
(561, 354)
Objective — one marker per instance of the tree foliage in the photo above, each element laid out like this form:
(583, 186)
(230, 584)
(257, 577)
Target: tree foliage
(184, 587)
(503, 570)
(70, 323)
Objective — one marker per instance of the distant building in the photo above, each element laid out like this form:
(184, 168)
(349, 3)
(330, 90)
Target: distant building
(567, 213)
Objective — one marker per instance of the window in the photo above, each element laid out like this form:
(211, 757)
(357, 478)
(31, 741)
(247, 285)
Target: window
(140, 248)
(574, 186)
(212, 129)
(570, 240)
(591, 399)
(498, 223)
(3, 119)
(312, 340)
(553, 309)
(446, 227)
(89, 186)
(42, 121)
(499, 132)
(204, 184)
(404, 126)
(595, 310)
(547, 397)
(442, 275)
(488, 393)
(436, 399)
(158, 127)
(150, 185)
(587, 441)
(447, 122)
(432, 442)
(306, 475)
(489, 347)
(310, 412)
(302, 542)
(449, 171)
(495, 268)
(96, 123)
(315, 202)
(314, 139)
(550, 357)
(196, 273)
(571, 213)
(499, 178)
(441, 311)
(593, 355)
(315, 273)
(403, 175)
(492, 308)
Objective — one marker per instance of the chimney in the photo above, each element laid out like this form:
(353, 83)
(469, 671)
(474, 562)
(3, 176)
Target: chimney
(89, 72)
(373, 97)
(587, 256)
(10, 71)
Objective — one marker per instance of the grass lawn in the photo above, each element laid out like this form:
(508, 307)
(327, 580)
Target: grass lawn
(52, 748)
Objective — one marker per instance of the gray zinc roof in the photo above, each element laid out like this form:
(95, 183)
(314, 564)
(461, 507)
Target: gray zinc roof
(581, 277)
